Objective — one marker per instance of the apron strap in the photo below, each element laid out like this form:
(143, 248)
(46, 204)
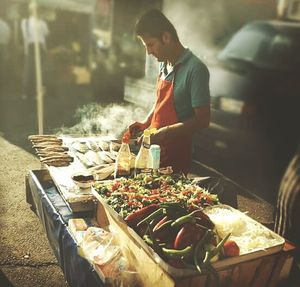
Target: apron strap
(175, 69)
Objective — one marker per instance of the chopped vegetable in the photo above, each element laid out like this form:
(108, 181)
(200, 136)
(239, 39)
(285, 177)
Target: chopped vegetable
(127, 195)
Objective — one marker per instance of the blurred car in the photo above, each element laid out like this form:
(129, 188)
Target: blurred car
(255, 100)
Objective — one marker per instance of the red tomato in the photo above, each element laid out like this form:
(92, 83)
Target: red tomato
(231, 249)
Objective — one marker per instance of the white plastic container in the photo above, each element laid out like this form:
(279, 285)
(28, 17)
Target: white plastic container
(155, 156)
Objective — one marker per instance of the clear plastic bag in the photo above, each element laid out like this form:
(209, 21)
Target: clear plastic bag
(97, 246)
(101, 248)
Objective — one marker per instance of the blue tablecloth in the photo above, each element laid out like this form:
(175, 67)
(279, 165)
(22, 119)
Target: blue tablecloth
(54, 214)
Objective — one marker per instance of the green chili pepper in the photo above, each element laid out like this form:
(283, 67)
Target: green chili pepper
(183, 219)
(220, 245)
(148, 240)
(206, 265)
(206, 238)
(209, 254)
(178, 253)
(153, 215)
(156, 247)
(207, 257)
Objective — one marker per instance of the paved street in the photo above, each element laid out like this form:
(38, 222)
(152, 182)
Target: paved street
(26, 258)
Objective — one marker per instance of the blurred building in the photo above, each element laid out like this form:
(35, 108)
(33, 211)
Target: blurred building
(92, 41)
(288, 9)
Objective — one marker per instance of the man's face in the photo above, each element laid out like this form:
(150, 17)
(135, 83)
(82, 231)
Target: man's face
(155, 47)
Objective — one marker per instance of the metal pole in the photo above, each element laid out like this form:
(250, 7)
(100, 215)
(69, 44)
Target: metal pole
(38, 73)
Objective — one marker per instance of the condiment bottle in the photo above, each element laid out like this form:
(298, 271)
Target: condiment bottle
(143, 157)
(122, 165)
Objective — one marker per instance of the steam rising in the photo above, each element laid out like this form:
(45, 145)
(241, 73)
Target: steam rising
(205, 26)
(111, 120)
(198, 26)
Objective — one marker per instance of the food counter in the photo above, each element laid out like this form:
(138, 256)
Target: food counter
(47, 202)
(45, 193)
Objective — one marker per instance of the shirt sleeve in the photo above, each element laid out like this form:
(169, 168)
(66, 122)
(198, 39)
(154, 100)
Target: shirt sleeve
(199, 86)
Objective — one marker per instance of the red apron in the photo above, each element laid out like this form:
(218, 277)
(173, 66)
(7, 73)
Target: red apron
(176, 152)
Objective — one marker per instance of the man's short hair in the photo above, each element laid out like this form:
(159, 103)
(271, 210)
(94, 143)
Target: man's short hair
(154, 23)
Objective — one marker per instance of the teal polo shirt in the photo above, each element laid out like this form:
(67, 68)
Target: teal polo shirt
(191, 85)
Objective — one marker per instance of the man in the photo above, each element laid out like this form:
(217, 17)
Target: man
(28, 32)
(182, 105)
(288, 211)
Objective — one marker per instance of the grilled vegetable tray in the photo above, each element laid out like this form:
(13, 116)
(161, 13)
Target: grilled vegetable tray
(254, 239)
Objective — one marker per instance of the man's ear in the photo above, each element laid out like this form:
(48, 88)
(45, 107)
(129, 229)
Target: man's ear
(166, 37)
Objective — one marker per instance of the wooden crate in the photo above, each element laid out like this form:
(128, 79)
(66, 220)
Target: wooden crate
(265, 271)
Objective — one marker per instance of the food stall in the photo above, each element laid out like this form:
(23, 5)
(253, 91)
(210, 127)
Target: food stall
(75, 209)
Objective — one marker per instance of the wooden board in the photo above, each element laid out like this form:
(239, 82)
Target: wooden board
(78, 200)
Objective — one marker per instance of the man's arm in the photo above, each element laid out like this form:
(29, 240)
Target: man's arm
(148, 119)
(199, 121)
(140, 126)
(198, 84)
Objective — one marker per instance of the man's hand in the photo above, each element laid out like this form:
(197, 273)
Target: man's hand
(136, 127)
(160, 136)
(199, 121)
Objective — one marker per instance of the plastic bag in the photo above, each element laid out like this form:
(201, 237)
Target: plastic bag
(101, 248)
(97, 246)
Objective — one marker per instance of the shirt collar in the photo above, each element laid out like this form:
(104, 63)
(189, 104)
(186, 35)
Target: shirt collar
(185, 55)
(183, 58)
